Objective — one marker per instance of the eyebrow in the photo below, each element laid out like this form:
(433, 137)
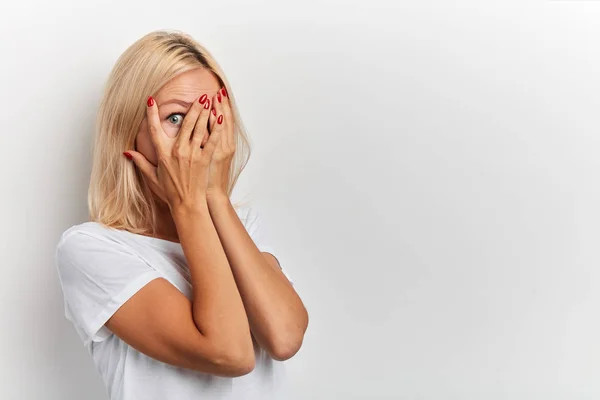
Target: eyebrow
(176, 101)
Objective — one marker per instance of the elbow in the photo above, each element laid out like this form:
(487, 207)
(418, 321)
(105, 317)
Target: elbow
(285, 351)
(234, 365)
(285, 348)
(239, 366)
(227, 358)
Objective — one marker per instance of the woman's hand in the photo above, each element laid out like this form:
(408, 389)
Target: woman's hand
(181, 176)
(221, 123)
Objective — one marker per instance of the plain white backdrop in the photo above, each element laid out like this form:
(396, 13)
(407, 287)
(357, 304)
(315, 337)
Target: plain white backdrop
(428, 170)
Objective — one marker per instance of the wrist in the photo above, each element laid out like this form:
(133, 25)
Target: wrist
(185, 212)
(215, 197)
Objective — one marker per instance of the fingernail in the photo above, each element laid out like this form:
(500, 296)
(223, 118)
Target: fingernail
(214, 112)
(127, 154)
(224, 92)
(150, 101)
(207, 104)
(202, 98)
(220, 119)
(219, 97)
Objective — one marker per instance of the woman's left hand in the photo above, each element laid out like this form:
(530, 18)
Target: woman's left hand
(221, 119)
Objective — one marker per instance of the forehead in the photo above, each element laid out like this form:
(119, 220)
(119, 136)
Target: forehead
(189, 85)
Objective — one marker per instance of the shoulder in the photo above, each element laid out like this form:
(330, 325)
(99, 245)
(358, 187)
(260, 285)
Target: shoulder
(86, 237)
(86, 230)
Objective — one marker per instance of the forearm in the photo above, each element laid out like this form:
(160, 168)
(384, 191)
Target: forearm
(217, 307)
(276, 314)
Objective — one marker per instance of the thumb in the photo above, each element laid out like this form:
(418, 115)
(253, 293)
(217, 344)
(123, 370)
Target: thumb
(143, 164)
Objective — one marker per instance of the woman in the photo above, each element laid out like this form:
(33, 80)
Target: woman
(172, 289)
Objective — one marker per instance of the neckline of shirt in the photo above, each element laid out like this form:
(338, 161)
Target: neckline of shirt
(158, 242)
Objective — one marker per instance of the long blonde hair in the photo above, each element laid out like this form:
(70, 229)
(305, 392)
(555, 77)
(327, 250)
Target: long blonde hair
(118, 195)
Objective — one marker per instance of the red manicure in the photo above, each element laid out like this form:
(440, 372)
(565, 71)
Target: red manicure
(150, 101)
(214, 112)
(220, 119)
(219, 97)
(202, 99)
(224, 92)
(207, 104)
(128, 155)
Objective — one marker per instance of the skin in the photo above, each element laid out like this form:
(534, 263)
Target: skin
(241, 292)
(184, 88)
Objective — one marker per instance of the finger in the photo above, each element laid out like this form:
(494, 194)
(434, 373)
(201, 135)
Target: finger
(157, 136)
(226, 106)
(187, 126)
(200, 130)
(218, 103)
(147, 168)
(218, 106)
(213, 140)
(217, 121)
(211, 123)
(227, 117)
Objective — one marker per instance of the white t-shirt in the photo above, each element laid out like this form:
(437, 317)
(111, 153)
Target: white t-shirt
(100, 268)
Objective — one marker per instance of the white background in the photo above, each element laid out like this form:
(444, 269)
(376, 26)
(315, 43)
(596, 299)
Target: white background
(428, 171)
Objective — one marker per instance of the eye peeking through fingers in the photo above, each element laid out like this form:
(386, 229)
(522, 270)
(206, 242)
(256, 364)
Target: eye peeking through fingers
(176, 118)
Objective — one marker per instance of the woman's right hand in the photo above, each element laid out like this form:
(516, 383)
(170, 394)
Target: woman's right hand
(181, 175)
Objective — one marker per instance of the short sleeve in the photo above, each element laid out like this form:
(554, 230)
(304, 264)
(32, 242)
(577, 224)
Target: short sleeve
(97, 275)
(259, 234)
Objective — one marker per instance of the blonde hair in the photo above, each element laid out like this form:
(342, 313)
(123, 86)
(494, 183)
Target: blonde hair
(118, 195)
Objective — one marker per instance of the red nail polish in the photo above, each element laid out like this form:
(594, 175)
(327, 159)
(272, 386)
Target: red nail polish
(128, 155)
(202, 98)
(214, 112)
(224, 92)
(207, 104)
(220, 119)
(219, 97)
(150, 101)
